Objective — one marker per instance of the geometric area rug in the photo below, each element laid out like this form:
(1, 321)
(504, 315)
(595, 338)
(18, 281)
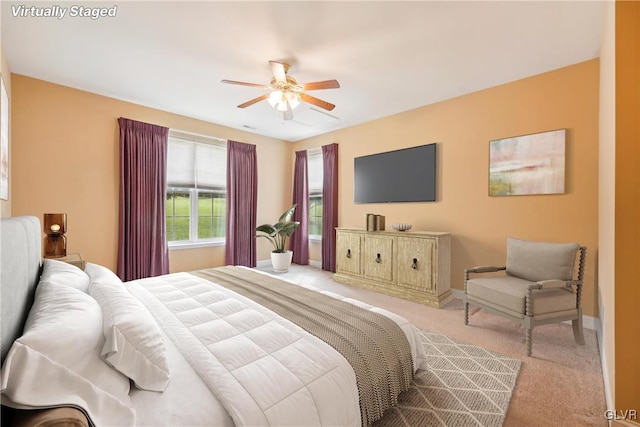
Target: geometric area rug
(459, 385)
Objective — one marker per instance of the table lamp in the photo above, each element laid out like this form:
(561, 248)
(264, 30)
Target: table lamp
(55, 242)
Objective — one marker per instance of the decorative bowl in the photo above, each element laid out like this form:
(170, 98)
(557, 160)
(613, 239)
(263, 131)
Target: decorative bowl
(401, 227)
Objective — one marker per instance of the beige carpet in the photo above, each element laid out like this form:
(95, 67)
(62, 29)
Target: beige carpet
(560, 385)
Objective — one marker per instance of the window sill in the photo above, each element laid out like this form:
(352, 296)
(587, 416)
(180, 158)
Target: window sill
(315, 238)
(195, 245)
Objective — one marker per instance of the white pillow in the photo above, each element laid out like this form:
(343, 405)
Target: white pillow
(63, 273)
(134, 343)
(56, 362)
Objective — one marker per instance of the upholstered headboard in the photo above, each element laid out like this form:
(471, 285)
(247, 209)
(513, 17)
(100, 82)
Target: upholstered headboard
(20, 263)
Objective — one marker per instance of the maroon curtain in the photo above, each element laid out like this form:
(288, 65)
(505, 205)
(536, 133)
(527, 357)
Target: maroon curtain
(142, 233)
(329, 206)
(242, 196)
(300, 238)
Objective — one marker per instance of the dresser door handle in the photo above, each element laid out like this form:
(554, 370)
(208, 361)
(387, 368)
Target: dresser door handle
(378, 260)
(415, 264)
(348, 253)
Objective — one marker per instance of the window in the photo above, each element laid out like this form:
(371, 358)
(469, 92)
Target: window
(315, 169)
(196, 190)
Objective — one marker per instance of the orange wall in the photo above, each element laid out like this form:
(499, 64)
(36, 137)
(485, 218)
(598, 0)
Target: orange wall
(627, 206)
(462, 127)
(65, 159)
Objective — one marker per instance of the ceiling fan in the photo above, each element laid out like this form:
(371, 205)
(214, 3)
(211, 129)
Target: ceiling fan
(285, 93)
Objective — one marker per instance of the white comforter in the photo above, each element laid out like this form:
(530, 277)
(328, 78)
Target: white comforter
(264, 369)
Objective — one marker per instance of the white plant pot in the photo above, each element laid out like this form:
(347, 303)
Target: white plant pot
(281, 261)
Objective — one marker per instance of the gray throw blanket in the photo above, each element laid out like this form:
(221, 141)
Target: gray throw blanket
(373, 344)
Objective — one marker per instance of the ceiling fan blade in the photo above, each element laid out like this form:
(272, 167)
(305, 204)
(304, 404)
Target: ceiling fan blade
(317, 102)
(253, 101)
(233, 82)
(326, 84)
(278, 70)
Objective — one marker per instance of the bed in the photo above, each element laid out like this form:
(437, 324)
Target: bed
(228, 346)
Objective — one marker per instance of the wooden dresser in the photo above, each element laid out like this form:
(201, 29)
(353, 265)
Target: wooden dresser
(410, 265)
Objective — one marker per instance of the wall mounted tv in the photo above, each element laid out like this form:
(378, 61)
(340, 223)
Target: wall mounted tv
(406, 175)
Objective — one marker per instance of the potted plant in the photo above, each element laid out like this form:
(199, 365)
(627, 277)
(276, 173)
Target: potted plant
(277, 234)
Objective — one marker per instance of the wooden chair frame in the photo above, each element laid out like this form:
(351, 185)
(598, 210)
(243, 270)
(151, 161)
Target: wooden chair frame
(529, 320)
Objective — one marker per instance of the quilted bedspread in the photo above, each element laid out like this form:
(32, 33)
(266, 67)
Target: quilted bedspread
(264, 369)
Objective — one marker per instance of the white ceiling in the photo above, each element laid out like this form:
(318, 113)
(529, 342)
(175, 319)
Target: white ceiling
(389, 57)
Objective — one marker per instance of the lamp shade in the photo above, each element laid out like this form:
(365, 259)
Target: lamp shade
(293, 99)
(275, 98)
(55, 223)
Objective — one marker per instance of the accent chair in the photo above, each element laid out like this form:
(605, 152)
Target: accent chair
(538, 287)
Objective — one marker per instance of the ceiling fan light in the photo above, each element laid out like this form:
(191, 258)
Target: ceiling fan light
(284, 94)
(293, 98)
(275, 98)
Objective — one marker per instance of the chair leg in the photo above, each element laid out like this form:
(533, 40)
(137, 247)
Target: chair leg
(528, 343)
(577, 330)
(466, 313)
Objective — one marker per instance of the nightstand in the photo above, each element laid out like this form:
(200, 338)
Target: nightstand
(73, 259)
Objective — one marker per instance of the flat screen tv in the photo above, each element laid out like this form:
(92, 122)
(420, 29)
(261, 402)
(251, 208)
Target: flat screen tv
(406, 175)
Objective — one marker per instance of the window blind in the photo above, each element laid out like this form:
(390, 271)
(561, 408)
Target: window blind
(314, 170)
(196, 164)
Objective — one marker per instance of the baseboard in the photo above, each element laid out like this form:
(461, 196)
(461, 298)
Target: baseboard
(588, 322)
(267, 262)
(316, 264)
(263, 263)
(458, 293)
(603, 363)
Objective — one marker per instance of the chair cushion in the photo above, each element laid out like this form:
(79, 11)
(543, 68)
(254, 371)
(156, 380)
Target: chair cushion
(537, 261)
(507, 293)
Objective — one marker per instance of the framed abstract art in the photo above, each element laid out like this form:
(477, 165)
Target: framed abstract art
(527, 164)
